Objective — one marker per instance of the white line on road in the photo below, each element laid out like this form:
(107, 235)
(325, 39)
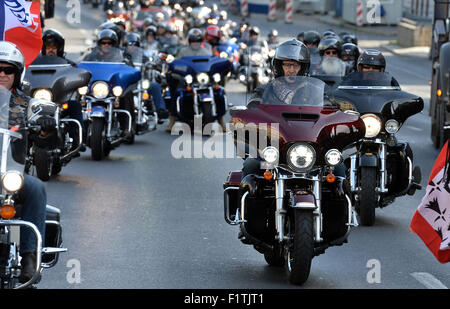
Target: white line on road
(428, 280)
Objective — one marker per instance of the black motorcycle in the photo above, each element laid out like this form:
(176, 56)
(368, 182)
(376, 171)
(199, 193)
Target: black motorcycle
(382, 168)
(54, 79)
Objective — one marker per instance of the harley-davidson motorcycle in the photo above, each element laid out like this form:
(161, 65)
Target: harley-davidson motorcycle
(112, 81)
(382, 169)
(254, 71)
(53, 79)
(296, 205)
(13, 146)
(201, 94)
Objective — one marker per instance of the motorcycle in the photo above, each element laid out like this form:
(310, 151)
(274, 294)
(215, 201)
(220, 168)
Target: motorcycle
(201, 94)
(382, 169)
(53, 79)
(48, 249)
(330, 70)
(230, 51)
(254, 72)
(113, 81)
(296, 205)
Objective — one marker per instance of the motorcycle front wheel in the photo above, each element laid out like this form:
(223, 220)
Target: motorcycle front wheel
(42, 161)
(97, 140)
(368, 196)
(300, 250)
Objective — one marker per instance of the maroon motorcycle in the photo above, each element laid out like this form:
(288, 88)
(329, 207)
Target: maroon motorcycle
(297, 203)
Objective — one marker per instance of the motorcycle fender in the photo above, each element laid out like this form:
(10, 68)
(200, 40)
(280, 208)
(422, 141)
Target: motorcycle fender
(98, 111)
(368, 160)
(249, 184)
(304, 200)
(205, 97)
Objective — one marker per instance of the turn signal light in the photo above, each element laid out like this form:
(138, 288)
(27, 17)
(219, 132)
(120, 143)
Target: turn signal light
(188, 89)
(216, 87)
(65, 106)
(439, 92)
(268, 175)
(7, 212)
(331, 178)
(145, 96)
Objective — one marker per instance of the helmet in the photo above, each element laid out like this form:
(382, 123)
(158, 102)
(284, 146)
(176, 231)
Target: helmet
(328, 32)
(195, 35)
(159, 17)
(108, 34)
(273, 33)
(350, 49)
(147, 22)
(254, 31)
(311, 37)
(110, 25)
(291, 50)
(212, 35)
(372, 57)
(330, 42)
(10, 53)
(131, 39)
(52, 36)
(300, 36)
(348, 38)
(150, 30)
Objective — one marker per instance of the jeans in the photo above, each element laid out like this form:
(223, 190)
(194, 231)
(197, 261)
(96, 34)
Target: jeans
(155, 90)
(33, 199)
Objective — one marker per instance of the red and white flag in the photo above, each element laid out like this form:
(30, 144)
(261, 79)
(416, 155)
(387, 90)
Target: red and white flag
(431, 221)
(20, 23)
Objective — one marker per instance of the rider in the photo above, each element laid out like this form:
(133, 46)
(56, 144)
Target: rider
(132, 45)
(212, 37)
(350, 54)
(371, 60)
(53, 45)
(196, 45)
(107, 47)
(32, 196)
(330, 50)
(272, 37)
(150, 38)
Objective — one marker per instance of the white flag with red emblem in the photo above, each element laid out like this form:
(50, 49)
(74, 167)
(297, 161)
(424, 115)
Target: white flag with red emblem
(20, 23)
(431, 221)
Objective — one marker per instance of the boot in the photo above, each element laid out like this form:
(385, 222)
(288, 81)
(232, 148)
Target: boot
(172, 120)
(28, 263)
(222, 124)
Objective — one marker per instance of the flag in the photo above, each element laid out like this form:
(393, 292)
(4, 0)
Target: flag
(431, 221)
(20, 23)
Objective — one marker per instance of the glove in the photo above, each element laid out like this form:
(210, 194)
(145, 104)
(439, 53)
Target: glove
(47, 123)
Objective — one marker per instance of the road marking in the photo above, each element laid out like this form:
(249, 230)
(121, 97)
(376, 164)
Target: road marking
(428, 280)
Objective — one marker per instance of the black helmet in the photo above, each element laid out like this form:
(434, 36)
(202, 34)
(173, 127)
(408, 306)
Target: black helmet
(328, 32)
(150, 30)
(348, 38)
(108, 34)
(311, 37)
(350, 49)
(273, 33)
(52, 36)
(372, 57)
(300, 36)
(330, 42)
(131, 39)
(254, 31)
(195, 35)
(110, 25)
(291, 50)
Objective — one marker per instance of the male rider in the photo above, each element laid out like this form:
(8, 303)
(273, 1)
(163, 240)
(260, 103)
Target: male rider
(32, 196)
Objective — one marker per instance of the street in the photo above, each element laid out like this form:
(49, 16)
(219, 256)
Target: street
(142, 219)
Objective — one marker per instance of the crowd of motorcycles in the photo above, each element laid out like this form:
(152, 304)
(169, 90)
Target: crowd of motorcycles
(292, 212)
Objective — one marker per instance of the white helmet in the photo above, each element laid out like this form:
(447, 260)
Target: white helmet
(10, 53)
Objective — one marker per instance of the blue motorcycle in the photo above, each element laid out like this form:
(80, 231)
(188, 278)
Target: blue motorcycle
(109, 100)
(230, 51)
(200, 94)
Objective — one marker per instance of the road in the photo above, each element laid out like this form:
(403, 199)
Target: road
(144, 219)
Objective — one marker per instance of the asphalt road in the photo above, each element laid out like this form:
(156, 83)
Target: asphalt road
(144, 219)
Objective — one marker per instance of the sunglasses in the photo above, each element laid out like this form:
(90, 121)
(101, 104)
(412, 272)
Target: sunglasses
(106, 43)
(8, 70)
(132, 43)
(331, 52)
(52, 46)
(291, 65)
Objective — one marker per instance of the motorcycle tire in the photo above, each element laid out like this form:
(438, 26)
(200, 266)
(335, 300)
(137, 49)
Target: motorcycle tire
(56, 167)
(300, 251)
(368, 196)
(97, 139)
(42, 162)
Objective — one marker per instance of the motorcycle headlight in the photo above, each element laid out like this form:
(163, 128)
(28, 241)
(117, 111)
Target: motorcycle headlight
(100, 90)
(43, 94)
(256, 57)
(272, 53)
(203, 78)
(117, 91)
(145, 84)
(216, 77)
(12, 181)
(333, 157)
(301, 157)
(373, 125)
(170, 58)
(223, 54)
(189, 79)
(83, 90)
(392, 126)
(270, 155)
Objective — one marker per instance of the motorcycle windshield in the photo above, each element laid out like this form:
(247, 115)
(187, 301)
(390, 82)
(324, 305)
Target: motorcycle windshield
(137, 54)
(105, 53)
(295, 90)
(369, 81)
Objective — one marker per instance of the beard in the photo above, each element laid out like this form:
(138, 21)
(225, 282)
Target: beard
(333, 66)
